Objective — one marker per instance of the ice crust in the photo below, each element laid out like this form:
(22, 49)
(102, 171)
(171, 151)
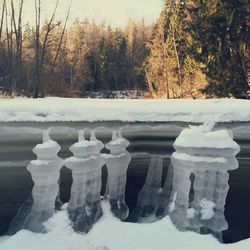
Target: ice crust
(117, 162)
(45, 172)
(208, 155)
(84, 207)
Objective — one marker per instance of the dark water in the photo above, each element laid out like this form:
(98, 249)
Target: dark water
(16, 183)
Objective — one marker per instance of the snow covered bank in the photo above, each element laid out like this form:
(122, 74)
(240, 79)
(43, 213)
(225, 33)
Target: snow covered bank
(111, 234)
(63, 109)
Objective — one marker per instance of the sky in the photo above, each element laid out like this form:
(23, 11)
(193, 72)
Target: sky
(114, 12)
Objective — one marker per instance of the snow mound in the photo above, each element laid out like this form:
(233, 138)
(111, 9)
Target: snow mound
(202, 137)
(111, 234)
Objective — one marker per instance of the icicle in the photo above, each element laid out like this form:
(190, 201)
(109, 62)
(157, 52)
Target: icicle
(84, 207)
(81, 136)
(92, 136)
(45, 172)
(46, 136)
(117, 164)
(148, 197)
(165, 195)
(208, 158)
(115, 135)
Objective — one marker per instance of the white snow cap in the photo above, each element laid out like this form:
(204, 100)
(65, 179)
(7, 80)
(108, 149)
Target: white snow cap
(187, 157)
(48, 148)
(203, 137)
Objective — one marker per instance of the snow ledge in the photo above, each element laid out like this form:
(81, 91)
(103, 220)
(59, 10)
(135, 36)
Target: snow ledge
(55, 109)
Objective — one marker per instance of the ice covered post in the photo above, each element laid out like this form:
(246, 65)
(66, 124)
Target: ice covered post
(208, 155)
(117, 165)
(45, 172)
(84, 207)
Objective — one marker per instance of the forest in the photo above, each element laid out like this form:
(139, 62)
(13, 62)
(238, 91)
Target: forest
(196, 48)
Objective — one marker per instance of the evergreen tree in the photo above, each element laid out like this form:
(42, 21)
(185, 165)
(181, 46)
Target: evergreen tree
(168, 68)
(220, 32)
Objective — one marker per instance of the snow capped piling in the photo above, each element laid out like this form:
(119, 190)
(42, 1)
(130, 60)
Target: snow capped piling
(208, 155)
(45, 172)
(117, 165)
(84, 207)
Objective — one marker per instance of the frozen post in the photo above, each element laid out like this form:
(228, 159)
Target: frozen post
(117, 164)
(45, 172)
(209, 155)
(84, 207)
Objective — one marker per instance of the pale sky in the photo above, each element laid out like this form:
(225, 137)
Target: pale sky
(115, 12)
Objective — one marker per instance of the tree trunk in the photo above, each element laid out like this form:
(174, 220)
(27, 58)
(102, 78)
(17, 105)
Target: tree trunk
(178, 61)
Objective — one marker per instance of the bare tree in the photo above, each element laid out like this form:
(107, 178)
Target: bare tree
(41, 49)
(61, 38)
(8, 84)
(37, 48)
(2, 19)
(17, 24)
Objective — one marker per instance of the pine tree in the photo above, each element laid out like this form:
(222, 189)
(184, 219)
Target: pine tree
(220, 32)
(171, 70)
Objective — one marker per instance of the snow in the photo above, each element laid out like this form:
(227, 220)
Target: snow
(203, 138)
(111, 234)
(66, 109)
(80, 160)
(207, 209)
(47, 145)
(191, 213)
(45, 172)
(117, 165)
(82, 144)
(186, 157)
(47, 148)
(118, 142)
(210, 166)
(85, 203)
(172, 204)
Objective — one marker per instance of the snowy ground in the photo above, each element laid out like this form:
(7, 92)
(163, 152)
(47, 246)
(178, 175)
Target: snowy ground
(63, 109)
(111, 234)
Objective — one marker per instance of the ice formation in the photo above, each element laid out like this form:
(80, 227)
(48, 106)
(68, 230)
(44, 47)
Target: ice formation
(165, 194)
(84, 207)
(148, 197)
(194, 192)
(45, 172)
(117, 164)
(208, 155)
